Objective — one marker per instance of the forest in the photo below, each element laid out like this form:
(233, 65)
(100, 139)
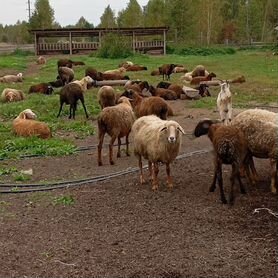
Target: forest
(206, 22)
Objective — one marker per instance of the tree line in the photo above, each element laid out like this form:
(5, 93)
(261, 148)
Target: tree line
(191, 22)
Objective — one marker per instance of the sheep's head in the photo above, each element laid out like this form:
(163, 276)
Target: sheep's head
(10, 96)
(203, 126)
(27, 114)
(125, 100)
(49, 90)
(172, 130)
(19, 74)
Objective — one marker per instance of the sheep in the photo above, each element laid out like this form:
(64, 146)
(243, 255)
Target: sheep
(240, 79)
(84, 82)
(230, 147)
(166, 70)
(179, 69)
(66, 74)
(112, 76)
(11, 78)
(106, 96)
(148, 106)
(70, 94)
(163, 93)
(196, 80)
(43, 88)
(203, 90)
(157, 141)
(125, 64)
(140, 87)
(224, 103)
(93, 73)
(197, 71)
(10, 95)
(58, 83)
(155, 72)
(260, 127)
(41, 60)
(136, 68)
(173, 87)
(26, 125)
(116, 121)
(65, 63)
(116, 71)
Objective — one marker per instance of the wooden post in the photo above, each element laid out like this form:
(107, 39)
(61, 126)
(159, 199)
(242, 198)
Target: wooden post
(164, 42)
(133, 42)
(99, 39)
(70, 43)
(36, 45)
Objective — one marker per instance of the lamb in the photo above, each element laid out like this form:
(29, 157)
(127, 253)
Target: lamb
(136, 68)
(224, 103)
(196, 80)
(10, 95)
(166, 70)
(106, 96)
(117, 122)
(41, 60)
(42, 88)
(66, 74)
(230, 147)
(163, 93)
(26, 125)
(148, 106)
(84, 82)
(70, 94)
(11, 78)
(157, 141)
(260, 128)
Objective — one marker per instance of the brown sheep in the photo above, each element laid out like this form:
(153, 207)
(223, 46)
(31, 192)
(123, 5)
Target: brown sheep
(111, 76)
(197, 79)
(11, 95)
(106, 96)
(155, 72)
(148, 106)
(66, 74)
(41, 60)
(166, 70)
(65, 63)
(136, 68)
(42, 88)
(93, 73)
(163, 93)
(173, 87)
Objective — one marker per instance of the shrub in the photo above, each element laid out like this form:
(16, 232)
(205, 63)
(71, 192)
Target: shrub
(114, 46)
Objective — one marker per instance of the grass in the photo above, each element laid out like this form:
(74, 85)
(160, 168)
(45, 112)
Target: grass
(259, 68)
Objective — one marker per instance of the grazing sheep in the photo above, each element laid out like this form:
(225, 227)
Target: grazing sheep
(66, 74)
(158, 141)
(10, 95)
(224, 103)
(148, 106)
(230, 147)
(84, 82)
(42, 88)
(106, 96)
(260, 128)
(11, 78)
(196, 80)
(116, 71)
(70, 94)
(25, 125)
(41, 60)
(136, 68)
(116, 121)
(166, 70)
(163, 93)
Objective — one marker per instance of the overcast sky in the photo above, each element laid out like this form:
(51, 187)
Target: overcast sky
(66, 11)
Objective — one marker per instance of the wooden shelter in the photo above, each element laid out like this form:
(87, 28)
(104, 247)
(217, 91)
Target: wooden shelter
(68, 37)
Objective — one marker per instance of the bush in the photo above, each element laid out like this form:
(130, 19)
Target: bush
(20, 52)
(114, 46)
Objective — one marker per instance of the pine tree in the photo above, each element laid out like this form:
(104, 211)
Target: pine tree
(108, 19)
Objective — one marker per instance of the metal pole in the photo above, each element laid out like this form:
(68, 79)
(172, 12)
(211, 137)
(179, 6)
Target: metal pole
(70, 43)
(29, 10)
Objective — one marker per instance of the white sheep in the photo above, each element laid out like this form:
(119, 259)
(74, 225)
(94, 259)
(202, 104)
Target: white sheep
(26, 125)
(120, 70)
(117, 122)
(224, 103)
(84, 82)
(10, 95)
(11, 78)
(260, 127)
(157, 141)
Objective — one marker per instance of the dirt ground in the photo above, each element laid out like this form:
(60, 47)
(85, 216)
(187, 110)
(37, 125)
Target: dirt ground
(118, 228)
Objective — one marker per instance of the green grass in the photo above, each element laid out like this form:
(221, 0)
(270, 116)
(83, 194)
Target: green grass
(259, 68)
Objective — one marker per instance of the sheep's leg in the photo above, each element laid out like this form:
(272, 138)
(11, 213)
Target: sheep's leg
(220, 182)
(150, 166)
(141, 170)
(111, 149)
(253, 169)
(232, 180)
(84, 107)
(273, 165)
(73, 110)
(213, 184)
(99, 147)
(241, 187)
(61, 106)
(119, 147)
(155, 173)
(169, 178)
(127, 145)
(70, 109)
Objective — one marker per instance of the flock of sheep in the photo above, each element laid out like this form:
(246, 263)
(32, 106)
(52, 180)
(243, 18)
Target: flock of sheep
(143, 110)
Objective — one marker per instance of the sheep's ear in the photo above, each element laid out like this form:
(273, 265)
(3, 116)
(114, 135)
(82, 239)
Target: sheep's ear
(179, 128)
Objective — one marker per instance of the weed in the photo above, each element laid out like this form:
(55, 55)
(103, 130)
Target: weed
(21, 177)
(65, 200)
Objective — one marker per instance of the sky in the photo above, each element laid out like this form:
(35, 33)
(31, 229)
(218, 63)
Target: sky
(66, 11)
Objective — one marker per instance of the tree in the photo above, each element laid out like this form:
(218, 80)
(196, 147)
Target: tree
(83, 23)
(132, 16)
(155, 13)
(108, 19)
(43, 15)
